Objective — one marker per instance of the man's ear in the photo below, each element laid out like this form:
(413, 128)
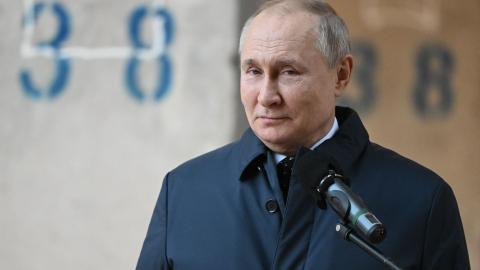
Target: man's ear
(344, 73)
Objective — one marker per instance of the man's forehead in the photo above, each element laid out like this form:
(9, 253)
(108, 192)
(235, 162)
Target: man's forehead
(271, 31)
(275, 48)
(279, 48)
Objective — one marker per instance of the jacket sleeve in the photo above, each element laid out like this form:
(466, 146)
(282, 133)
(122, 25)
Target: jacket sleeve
(445, 246)
(153, 255)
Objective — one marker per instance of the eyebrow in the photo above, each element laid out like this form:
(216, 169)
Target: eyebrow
(248, 62)
(280, 62)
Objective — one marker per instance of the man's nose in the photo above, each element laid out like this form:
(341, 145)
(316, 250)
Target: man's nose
(269, 94)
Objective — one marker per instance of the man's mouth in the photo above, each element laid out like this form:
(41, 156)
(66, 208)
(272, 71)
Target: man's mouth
(272, 119)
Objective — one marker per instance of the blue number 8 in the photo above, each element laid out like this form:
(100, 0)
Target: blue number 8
(163, 61)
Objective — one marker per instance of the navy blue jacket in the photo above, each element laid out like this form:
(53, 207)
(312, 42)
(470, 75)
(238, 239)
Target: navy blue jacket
(225, 210)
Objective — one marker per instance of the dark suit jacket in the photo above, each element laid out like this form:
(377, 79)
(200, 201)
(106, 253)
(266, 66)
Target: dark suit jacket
(224, 210)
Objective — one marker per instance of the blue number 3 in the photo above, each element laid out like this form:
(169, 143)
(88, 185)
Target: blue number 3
(62, 65)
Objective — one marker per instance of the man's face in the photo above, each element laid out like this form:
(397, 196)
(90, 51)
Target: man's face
(287, 90)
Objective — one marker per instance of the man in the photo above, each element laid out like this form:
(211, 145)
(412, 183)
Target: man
(235, 208)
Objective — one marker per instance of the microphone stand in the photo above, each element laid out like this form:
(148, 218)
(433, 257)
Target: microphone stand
(349, 235)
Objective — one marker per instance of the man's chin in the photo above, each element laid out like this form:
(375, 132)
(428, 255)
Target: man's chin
(278, 144)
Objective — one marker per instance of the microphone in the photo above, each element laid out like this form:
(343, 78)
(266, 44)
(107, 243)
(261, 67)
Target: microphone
(350, 207)
(317, 171)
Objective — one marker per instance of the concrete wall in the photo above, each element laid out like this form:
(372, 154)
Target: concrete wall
(103, 97)
(81, 163)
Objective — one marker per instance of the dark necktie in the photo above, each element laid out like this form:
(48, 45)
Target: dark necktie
(284, 171)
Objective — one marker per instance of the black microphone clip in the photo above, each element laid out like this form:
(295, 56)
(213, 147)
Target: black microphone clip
(321, 189)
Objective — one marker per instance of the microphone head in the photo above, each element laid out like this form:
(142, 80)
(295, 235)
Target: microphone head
(377, 233)
(369, 225)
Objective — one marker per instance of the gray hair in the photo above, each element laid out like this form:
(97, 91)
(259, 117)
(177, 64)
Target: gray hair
(332, 34)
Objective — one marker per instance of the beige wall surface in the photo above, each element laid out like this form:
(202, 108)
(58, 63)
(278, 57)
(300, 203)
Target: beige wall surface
(418, 62)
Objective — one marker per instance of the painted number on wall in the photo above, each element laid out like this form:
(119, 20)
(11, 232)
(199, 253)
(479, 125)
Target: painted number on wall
(364, 76)
(164, 63)
(432, 93)
(62, 65)
(53, 48)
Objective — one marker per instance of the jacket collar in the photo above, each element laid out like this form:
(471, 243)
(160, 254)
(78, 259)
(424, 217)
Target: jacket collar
(252, 153)
(349, 142)
(351, 135)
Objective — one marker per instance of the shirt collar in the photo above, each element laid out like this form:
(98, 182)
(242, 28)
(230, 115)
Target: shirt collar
(330, 133)
(253, 152)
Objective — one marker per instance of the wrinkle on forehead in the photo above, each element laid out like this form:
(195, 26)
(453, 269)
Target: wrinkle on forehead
(277, 42)
(277, 45)
(297, 31)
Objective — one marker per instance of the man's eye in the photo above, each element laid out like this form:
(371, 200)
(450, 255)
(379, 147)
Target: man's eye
(290, 72)
(253, 71)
